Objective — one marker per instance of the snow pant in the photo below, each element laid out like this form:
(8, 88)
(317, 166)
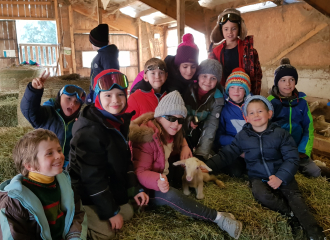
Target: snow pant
(236, 169)
(309, 168)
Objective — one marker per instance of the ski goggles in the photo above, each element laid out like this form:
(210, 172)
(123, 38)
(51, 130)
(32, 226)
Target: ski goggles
(154, 67)
(73, 90)
(108, 81)
(173, 119)
(231, 17)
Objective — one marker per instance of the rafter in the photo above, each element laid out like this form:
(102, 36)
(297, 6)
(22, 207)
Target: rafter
(165, 20)
(145, 12)
(322, 6)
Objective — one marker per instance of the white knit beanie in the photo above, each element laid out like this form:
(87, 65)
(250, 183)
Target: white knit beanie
(171, 104)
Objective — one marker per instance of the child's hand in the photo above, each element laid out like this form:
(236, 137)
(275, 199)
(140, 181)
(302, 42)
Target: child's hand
(242, 155)
(38, 83)
(185, 152)
(117, 221)
(144, 198)
(192, 125)
(164, 186)
(274, 182)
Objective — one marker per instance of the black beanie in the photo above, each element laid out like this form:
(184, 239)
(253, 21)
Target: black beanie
(286, 69)
(99, 36)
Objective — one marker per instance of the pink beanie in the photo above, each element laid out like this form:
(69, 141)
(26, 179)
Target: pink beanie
(187, 51)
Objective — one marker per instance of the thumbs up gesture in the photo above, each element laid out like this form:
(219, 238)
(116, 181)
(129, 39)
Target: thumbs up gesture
(38, 83)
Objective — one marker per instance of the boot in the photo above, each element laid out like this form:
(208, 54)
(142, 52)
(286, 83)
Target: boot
(315, 233)
(231, 226)
(296, 228)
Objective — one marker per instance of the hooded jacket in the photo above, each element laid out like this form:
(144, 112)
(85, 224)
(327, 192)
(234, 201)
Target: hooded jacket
(293, 115)
(272, 152)
(207, 111)
(143, 99)
(47, 117)
(100, 162)
(23, 217)
(248, 60)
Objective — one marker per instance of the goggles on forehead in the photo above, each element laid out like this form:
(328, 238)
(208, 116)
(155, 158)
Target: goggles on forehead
(173, 119)
(154, 67)
(106, 82)
(73, 90)
(231, 17)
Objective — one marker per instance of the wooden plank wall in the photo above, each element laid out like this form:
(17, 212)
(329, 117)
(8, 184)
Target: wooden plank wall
(8, 41)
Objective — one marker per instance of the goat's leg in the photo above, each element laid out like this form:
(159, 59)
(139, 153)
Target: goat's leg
(207, 178)
(199, 190)
(185, 186)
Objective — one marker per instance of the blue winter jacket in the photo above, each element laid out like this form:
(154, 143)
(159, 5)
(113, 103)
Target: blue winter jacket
(231, 122)
(46, 117)
(295, 117)
(272, 152)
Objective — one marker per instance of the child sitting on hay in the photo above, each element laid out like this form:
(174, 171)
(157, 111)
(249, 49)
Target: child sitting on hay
(272, 160)
(154, 136)
(39, 202)
(57, 114)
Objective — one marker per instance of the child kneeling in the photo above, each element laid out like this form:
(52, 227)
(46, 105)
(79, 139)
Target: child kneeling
(154, 137)
(39, 202)
(272, 160)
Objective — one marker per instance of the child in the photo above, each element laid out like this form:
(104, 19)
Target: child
(147, 93)
(154, 136)
(100, 158)
(235, 52)
(292, 113)
(232, 119)
(182, 67)
(107, 55)
(272, 160)
(58, 114)
(39, 203)
(204, 101)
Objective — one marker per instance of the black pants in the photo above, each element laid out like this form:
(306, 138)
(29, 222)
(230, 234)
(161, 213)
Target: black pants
(284, 200)
(236, 169)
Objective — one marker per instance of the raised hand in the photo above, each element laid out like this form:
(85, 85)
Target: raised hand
(38, 83)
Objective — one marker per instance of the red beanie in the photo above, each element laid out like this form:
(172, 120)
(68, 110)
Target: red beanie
(187, 51)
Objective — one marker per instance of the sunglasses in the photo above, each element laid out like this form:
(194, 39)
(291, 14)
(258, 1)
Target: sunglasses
(107, 82)
(154, 67)
(173, 119)
(72, 90)
(231, 17)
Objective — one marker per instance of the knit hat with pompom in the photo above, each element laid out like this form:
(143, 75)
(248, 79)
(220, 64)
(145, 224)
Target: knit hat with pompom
(187, 51)
(285, 69)
(238, 77)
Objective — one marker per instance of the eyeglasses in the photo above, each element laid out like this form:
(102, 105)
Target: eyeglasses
(72, 90)
(231, 17)
(154, 67)
(107, 81)
(173, 119)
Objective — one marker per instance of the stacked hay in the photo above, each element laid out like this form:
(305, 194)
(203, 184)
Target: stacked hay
(10, 76)
(8, 110)
(52, 86)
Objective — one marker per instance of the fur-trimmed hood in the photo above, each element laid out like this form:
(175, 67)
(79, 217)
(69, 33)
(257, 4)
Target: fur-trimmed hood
(142, 133)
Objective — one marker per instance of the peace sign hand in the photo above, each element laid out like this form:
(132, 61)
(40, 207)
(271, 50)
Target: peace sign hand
(38, 83)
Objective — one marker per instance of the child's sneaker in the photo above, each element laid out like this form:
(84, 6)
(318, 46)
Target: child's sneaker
(232, 226)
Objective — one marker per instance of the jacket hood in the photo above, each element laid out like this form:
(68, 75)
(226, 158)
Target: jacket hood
(142, 133)
(145, 86)
(275, 92)
(271, 126)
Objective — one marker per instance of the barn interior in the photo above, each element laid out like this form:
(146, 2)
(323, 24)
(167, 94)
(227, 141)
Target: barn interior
(296, 29)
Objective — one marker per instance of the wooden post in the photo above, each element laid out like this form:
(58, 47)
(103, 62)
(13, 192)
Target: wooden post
(99, 11)
(140, 45)
(73, 51)
(180, 17)
(59, 38)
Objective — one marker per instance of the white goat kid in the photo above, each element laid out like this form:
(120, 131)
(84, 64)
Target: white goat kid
(194, 177)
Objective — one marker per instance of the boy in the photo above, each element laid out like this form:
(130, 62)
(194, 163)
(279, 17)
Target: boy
(58, 114)
(107, 55)
(292, 114)
(39, 203)
(147, 93)
(272, 160)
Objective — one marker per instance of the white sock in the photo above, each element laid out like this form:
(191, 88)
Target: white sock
(218, 217)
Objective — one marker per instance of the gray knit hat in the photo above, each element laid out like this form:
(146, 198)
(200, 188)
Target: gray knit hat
(265, 100)
(171, 104)
(210, 66)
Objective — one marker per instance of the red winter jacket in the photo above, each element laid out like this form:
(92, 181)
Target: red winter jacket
(248, 60)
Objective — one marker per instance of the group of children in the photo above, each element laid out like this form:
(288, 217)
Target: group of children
(120, 148)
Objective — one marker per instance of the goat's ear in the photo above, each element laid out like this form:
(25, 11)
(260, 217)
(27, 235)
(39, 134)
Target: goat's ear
(182, 162)
(206, 167)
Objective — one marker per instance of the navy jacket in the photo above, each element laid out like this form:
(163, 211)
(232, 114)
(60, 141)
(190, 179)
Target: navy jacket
(272, 152)
(46, 117)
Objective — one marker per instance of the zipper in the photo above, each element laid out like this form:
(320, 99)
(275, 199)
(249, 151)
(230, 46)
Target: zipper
(195, 115)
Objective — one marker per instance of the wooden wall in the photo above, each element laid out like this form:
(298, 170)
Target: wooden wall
(8, 41)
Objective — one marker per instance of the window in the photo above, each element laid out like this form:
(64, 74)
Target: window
(124, 58)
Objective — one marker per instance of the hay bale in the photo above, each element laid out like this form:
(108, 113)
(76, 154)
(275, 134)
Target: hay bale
(8, 110)
(52, 86)
(10, 76)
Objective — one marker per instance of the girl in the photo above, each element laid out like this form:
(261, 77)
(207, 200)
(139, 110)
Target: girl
(204, 102)
(237, 49)
(154, 137)
(100, 158)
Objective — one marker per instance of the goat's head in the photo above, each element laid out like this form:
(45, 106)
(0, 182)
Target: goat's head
(192, 165)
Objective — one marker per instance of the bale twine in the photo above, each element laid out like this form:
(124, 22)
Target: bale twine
(10, 76)
(8, 112)
(52, 86)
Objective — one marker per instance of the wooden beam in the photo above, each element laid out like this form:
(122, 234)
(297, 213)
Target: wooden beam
(140, 45)
(298, 43)
(87, 31)
(122, 5)
(98, 11)
(322, 6)
(28, 18)
(59, 39)
(27, 3)
(165, 20)
(73, 49)
(180, 17)
(193, 18)
(151, 41)
(145, 12)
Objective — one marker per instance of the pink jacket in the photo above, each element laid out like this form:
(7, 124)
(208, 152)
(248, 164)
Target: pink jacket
(148, 152)
(138, 78)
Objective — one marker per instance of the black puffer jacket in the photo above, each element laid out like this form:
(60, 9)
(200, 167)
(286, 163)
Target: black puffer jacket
(100, 162)
(272, 152)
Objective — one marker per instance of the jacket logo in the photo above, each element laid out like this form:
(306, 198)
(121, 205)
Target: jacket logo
(95, 65)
